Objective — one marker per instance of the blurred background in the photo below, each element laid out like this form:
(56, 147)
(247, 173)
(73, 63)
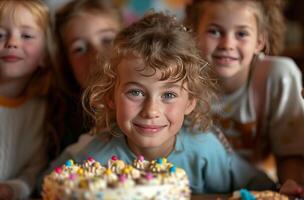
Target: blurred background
(294, 13)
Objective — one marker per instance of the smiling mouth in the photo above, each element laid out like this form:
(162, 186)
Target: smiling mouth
(10, 58)
(148, 129)
(224, 60)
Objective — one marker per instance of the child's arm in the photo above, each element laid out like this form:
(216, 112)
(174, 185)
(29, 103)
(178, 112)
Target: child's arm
(284, 113)
(22, 185)
(227, 170)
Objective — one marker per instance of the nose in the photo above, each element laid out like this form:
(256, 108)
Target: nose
(227, 42)
(151, 109)
(12, 42)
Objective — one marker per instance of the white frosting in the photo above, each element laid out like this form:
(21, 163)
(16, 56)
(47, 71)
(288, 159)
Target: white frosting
(157, 180)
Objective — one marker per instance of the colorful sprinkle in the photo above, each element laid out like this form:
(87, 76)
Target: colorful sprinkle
(91, 159)
(140, 158)
(159, 160)
(108, 171)
(127, 170)
(72, 177)
(246, 195)
(172, 169)
(97, 165)
(157, 166)
(149, 176)
(80, 171)
(114, 158)
(122, 178)
(58, 170)
(69, 163)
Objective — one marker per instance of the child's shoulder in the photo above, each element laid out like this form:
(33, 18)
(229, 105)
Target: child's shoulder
(275, 71)
(205, 143)
(277, 66)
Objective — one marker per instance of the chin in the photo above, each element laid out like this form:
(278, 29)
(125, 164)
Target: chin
(224, 73)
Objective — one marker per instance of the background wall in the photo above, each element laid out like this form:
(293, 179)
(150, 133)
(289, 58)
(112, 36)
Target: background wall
(294, 13)
(294, 47)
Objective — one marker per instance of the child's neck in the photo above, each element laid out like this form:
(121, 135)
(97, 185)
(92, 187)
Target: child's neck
(13, 88)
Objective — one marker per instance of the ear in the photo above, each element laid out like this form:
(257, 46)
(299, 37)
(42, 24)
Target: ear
(190, 106)
(261, 42)
(110, 102)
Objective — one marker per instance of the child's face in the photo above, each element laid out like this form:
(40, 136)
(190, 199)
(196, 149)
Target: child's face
(84, 36)
(22, 45)
(150, 112)
(228, 38)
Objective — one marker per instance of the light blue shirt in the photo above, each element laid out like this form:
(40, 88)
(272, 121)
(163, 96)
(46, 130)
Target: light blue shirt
(209, 166)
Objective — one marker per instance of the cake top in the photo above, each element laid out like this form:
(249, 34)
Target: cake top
(91, 175)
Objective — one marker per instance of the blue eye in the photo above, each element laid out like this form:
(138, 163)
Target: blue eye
(135, 93)
(106, 41)
(242, 34)
(80, 50)
(214, 32)
(169, 95)
(2, 35)
(27, 36)
(79, 47)
(106, 38)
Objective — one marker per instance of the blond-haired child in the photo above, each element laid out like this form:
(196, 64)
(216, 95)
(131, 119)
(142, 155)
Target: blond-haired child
(25, 54)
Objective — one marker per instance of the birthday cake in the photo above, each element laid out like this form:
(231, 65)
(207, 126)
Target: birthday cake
(157, 180)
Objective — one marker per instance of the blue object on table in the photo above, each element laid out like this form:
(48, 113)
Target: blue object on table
(246, 195)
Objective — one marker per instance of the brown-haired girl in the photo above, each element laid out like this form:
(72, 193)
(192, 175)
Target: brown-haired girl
(260, 106)
(83, 29)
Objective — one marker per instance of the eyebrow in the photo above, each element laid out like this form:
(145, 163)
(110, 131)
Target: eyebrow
(172, 85)
(107, 30)
(165, 86)
(26, 27)
(239, 26)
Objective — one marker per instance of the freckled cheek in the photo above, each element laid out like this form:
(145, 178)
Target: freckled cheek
(126, 110)
(174, 114)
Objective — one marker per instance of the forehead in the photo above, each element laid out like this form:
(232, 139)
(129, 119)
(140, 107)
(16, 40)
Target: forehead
(85, 24)
(229, 13)
(134, 66)
(20, 16)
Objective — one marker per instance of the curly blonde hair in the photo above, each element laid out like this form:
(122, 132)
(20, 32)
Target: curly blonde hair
(165, 46)
(269, 15)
